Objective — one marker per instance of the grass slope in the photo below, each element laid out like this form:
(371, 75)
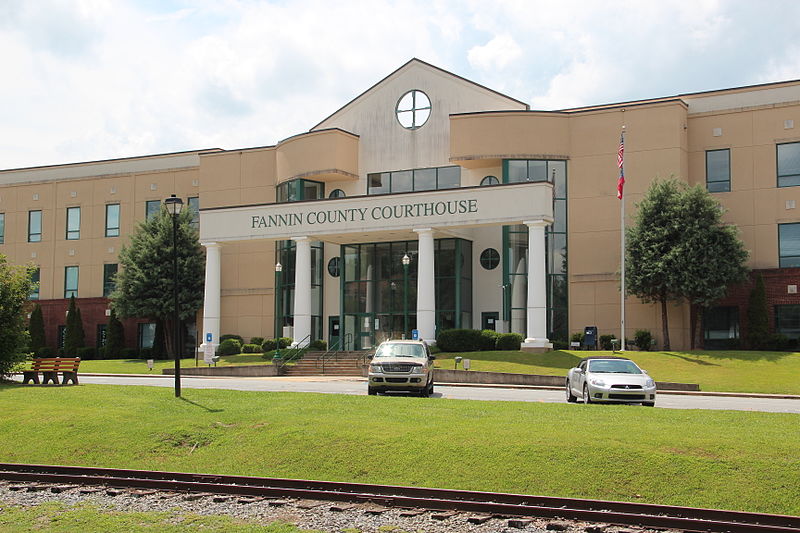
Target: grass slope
(139, 366)
(729, 371)
(731, 460)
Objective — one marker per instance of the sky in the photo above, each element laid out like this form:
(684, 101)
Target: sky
(86, 80)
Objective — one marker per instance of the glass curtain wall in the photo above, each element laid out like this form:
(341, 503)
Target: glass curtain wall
(515, 251)
(379, 301)
(295, 191)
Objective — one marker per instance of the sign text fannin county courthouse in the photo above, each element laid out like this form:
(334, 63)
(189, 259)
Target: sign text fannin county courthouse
(362, 214)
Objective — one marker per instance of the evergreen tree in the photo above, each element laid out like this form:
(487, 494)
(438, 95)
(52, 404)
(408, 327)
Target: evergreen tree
(74, 336)
(159, 348)
(145, 283)
(36, 329)
(758, 316)
(115, 338)
(15, 286)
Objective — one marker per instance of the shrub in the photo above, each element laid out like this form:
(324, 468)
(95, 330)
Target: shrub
(87, 353)
(257, 340)
(268, 345)
(509, 341)
(130, 353)
(758, 317)
(36, 328)
(74, 336)
(560, 345)
(318, 345)
(643, 339)
(605, 341)
(251, 348)
(488, 339)
(223, 338)
(576, 337)
(230, 346)
(285, 342)
(45, 351)
(115, 340)
(146, 353)
(778, 342)
(459, 340)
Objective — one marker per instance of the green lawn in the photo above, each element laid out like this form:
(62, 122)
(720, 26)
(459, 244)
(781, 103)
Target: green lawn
(729, 371)
(723, 459)
(139, 366)
(58, 518)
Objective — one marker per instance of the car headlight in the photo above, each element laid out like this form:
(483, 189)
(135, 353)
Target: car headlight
(597, 382)
(375, 368)
(650, 383)
(418, 370)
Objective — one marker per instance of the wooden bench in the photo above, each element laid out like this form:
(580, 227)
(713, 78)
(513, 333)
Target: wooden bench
(50, 367)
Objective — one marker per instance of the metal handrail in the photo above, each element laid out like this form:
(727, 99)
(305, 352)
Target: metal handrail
(334, 350)
(295, 353)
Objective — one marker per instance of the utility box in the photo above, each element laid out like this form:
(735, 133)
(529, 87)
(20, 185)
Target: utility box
(590, 338)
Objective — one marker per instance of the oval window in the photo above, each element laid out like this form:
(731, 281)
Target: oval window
(490, 258)
(333, 266)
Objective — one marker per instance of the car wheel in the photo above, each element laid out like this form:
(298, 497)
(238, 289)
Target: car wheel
(423, 393)
(586, 398)
(649, 404)
(570, 397)
(430, 389)
(371, 391)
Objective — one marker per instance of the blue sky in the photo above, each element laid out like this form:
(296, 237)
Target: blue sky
(96, 79)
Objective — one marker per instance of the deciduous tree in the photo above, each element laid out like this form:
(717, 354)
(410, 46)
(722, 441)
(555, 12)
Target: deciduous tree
(15, 286)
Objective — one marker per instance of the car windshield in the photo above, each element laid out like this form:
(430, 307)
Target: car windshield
(614, 366)
(400, 350)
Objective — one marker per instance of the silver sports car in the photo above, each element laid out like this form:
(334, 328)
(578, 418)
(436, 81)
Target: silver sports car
(610, 379)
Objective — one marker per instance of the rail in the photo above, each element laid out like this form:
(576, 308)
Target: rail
(688, 519)
(334, 349)
(290, 355)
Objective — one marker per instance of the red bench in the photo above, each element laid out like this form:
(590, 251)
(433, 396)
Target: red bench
(50, 367)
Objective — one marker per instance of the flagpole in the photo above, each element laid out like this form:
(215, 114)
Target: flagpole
(622, 241)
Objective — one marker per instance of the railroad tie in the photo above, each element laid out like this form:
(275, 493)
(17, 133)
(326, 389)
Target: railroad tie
(479, 518)
(444, 515)
(519, 523)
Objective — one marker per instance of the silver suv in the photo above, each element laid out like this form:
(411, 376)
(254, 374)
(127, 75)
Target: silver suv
(402, 366)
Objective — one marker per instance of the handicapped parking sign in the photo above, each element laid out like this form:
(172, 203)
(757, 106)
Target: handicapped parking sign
(209, 337)
(415, 334)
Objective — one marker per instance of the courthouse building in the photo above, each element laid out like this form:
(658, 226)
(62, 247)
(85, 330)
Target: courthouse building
(428, 202)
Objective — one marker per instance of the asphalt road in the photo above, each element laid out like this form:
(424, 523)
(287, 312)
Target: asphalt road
(496, 393)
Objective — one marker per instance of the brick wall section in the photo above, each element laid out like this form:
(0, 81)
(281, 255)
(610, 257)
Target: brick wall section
(776, 281)
(93, 312)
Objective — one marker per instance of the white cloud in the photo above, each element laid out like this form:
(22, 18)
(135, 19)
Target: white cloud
(497, 54)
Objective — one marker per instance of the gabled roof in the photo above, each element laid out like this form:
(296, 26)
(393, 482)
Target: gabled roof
(406, 66)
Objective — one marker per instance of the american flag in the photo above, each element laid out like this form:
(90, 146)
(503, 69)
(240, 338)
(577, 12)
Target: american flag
(620, 159)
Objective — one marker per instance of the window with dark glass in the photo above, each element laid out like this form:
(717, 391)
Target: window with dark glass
(718, 170)
(337, 193)
(721, 326)
(70, 281)
(35, 280)
(787, 320)
(34, 226)
(146, 335)
(112, 220)
(788, 156)
(789, 245)
(299, 189)
(73, 223)
(152, 208)
(333, 266)
(193, 204)
(490, 180)
(490, 258)
(420, 179)
(2, 228)
(109, 283)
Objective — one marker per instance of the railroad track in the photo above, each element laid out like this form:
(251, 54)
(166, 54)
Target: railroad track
(483, 503)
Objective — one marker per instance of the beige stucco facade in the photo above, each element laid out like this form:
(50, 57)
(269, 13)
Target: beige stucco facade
(469, 127)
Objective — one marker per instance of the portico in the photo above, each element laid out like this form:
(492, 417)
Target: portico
(422, 217)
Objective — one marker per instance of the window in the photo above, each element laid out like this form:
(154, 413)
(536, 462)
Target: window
(490, 180)
(70, 281)
(147, 334)
(721, 325)
(73, 223)
(413, 109)
(109, 283)
(787, 320)
(718, 170)
(789, 245)
(421, 179)
(152, 208)
(334, 266)
(112, 220)
(193, 204)
(35, 277)
(34, 226)
(2, 228)
(490, 258)
(788, 164)
(337, 193)
(299, 189)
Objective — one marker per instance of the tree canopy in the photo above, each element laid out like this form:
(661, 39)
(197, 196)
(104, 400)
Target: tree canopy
(15, 286)
(144, 286)
(680, 249)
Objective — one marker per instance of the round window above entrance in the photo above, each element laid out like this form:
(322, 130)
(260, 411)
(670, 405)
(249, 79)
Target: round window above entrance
(413, 109)
(490, 258)
(333, 267)
(337, 193)
(490, 180)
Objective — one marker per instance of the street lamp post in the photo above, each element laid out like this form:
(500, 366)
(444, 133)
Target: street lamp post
(406, 262)
(278, 300)
(174, 205)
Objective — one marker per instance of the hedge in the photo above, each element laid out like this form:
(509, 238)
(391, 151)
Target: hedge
(230, 347)
(509, 341)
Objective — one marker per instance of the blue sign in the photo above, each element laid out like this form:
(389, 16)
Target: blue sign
(208, 337)
(415, 334)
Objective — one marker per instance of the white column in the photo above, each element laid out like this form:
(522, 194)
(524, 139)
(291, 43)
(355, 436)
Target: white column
(426, 295)
(302, 292)
(537, 287)
(211, 298)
